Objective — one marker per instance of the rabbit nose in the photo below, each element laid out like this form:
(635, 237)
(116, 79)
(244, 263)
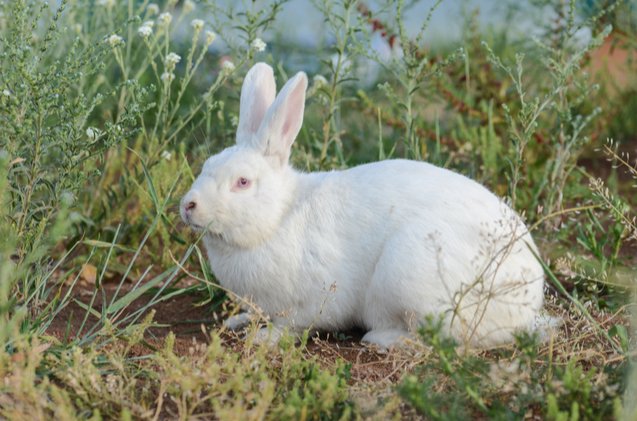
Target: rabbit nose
(188, 205)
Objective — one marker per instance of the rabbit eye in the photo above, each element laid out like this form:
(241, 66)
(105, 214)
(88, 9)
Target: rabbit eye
(242, 183)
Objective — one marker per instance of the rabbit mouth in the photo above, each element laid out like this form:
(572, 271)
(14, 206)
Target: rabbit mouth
(201, 228)
(193, 225)
(208, 230)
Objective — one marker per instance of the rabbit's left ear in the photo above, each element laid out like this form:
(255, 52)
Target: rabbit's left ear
(283, 120)
(257, 94)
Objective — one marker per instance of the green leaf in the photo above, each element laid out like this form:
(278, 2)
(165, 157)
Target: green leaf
(621, 333)
(137, 292)
(107, 245)
(87, 308)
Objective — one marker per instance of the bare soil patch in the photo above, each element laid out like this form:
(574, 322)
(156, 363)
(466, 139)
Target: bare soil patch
(190, 322)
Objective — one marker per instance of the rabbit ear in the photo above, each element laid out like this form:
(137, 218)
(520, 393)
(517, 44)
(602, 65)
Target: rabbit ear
(283, 120)
(257, 94)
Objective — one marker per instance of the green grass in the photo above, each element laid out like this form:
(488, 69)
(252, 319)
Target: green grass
(105, 120)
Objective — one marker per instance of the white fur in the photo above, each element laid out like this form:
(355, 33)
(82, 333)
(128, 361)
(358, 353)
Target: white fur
(378, 246)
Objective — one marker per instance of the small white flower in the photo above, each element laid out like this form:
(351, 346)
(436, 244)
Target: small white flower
(91, 133)
(166, 155)
(115, 40)
(197, 24)
(319, 80)
(106, 3)
(67, 198)
(152, 9)
(145, 31)
(210, 37)
(165, 19)
(167, 77)
(258, 45)
(149, 23)
(171, 60)
(75, 217)
(189, 6)
(111, 383)
(6, 92)
(227, 66)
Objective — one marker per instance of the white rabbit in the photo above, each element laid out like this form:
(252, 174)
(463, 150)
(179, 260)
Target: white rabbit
(378, 246)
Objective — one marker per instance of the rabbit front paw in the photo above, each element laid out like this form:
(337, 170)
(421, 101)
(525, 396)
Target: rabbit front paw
(386, 339)
(269, 335)
(238, 321)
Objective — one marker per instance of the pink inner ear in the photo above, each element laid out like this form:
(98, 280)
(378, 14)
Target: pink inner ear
(286, 128)
(294, 108)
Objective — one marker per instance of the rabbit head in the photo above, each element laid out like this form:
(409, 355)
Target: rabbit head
(242, 192)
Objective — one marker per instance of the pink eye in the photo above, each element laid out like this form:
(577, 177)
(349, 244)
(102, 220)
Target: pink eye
(242, 183)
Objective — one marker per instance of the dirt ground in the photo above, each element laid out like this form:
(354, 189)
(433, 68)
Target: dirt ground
(191, 322)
